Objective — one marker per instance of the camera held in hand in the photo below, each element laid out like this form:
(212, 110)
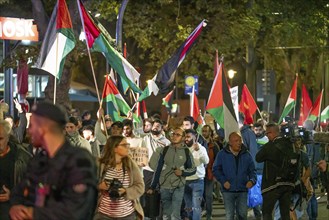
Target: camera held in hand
(113, 190)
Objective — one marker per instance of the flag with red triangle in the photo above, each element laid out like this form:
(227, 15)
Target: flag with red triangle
(167, 100)
(291, 102)
(247, 105)
(220, 105)
(194, 107)
(117, 107)
(98, 41)
(305, 106)
(58, 42)
(315, 112)
(141, 110)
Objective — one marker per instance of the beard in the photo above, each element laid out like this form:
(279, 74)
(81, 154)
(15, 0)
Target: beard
(155, 132)
(189, 143)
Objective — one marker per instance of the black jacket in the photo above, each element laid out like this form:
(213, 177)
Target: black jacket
(67, 182)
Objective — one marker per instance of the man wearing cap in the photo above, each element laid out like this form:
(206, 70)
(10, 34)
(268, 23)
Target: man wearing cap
(59, 184)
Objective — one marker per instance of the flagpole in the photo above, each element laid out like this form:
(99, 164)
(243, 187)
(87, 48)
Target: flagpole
(319, 118)
(89, 55)
(56, 69)
(296, 98)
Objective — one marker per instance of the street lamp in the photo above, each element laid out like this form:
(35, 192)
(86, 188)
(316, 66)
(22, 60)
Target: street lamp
(231, 73)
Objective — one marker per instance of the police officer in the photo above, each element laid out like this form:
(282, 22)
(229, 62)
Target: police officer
(60, 183)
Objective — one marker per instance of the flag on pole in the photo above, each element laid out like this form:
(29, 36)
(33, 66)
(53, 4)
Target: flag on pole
(194, 105)
(315, 112)
(167, 100)
(117, 107)
(150, 88)
(247, 105)
(59, 41)
(291, 102)
(220, 105)
(97, 41)
(305, 106)
(141, 110)
(325, 114)
(166, 75)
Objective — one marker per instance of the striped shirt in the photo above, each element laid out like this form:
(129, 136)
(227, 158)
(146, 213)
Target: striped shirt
(116, 208)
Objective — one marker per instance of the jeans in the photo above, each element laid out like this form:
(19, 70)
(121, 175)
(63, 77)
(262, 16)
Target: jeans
(171, 202)
(193, 196)
(312, 208)
(281, 194)
(209, 189)
(235, 203)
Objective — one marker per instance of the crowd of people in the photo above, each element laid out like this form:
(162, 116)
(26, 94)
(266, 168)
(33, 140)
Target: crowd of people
(60, 166)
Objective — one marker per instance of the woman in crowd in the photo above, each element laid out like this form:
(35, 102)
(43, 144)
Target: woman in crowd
(121, 183)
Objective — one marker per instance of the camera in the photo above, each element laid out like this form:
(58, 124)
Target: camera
(113, 190)
(295, 133)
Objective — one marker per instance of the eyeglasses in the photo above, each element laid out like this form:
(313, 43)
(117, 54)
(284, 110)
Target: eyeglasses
(176, 134)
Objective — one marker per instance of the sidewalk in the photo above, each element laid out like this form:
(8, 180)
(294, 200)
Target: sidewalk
(323, 212)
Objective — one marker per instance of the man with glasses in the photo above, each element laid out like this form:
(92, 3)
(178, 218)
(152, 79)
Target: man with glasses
(172, 164)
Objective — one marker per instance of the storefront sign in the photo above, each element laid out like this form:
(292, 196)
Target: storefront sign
(18, 29)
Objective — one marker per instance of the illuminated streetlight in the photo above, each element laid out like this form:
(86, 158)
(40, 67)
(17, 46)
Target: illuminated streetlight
(231, 73)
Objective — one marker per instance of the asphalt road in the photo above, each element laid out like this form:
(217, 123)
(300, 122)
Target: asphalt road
(323, 212)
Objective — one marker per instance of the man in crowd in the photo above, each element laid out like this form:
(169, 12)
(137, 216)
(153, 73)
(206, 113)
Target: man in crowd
(274, 188)
(13, 161)
(194, 187)
(172, 165)
(209, 180)
(134, 141)
(60, 184)
(153, 140)
(72, 133)
(261, 139)
(234, 168)
(189, 123)
(89, 135)
(18, 131)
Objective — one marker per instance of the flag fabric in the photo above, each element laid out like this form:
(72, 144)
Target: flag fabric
(141, 110)
(194, 105)
(291, 102)
(166, 75)
(247, 105)
(117, 107)
(167, 100)
(305, 106)
(22, 77)
(325, 114)
(97, 41)
(220, 105)
(315, 112)
(150, 88)
(59, 41)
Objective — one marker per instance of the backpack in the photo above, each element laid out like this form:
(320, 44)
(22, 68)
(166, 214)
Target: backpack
(290, 168)
(187, 152)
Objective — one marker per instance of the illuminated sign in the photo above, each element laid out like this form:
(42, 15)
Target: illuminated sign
(18, 29)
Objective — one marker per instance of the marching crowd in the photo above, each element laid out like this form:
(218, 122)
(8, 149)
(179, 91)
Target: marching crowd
(78, 168)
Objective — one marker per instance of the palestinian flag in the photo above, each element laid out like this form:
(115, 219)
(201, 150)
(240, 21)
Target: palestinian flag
(166, 75)
(325, 114)
(150, 88)
(305, 106)
(247, 105)
(97, 41)
(315, 112)
(59, 41)
(220, 105)
(117, 107)
(291, 102)
(167, 100)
